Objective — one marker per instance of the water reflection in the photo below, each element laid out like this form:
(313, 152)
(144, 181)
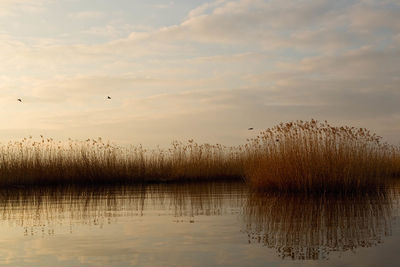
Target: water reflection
(303, 227)
(297, 227)
(37, 210)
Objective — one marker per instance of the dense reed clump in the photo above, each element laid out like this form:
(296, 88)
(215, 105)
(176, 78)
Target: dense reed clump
(46, 161)
(317, 157)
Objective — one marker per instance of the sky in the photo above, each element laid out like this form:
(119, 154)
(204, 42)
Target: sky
(198, 69)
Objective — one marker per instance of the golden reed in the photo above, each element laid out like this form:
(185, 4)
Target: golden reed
(296, 156)
(44, 162)
(317, 157)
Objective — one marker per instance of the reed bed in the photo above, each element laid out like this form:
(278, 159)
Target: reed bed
(295, 156)
(315, 156)
(45, 161)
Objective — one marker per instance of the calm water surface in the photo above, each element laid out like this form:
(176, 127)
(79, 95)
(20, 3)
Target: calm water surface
(196, 225)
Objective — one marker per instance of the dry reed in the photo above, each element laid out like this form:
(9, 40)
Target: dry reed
(44, 162)
(317, 157)
(296, 156)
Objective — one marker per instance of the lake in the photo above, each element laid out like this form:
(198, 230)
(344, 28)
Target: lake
(198, 224)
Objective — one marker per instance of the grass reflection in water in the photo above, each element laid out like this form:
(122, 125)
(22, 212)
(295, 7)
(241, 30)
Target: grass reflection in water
(304, 227)
(44, 207)
(297, 226)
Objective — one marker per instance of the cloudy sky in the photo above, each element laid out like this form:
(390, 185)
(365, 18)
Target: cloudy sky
(198, 69)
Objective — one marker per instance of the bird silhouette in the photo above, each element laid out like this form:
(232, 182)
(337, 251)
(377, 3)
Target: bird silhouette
(251, 129)
(19, 100)
(108, 97)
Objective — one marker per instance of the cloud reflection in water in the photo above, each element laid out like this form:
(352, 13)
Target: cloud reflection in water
(297, 227)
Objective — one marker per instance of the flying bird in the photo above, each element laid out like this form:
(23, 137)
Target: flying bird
(251, 128)
(19, 100)
(108, 97)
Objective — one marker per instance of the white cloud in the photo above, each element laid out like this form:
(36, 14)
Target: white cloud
(202, 9)
(281, 23)
(91, 14)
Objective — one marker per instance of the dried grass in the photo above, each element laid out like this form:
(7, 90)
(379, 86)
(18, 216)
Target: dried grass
(296, 156)
(46, 161)
(317, 157)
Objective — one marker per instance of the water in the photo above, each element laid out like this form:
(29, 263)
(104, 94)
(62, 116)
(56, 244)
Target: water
(209, 224)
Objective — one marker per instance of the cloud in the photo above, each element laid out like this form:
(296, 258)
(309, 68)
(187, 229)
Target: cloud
(317, 25)
(163, 6)
(14, 7)
(115, 30)
(227, 66)
(83, 15)
(202, 9)
(313, 24)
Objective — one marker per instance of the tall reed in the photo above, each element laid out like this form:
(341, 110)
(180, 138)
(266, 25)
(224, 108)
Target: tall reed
(316, 157)
(296, 156)
(46, 161)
